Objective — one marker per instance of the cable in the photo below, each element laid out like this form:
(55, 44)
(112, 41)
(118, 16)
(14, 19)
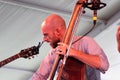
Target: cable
(84, 34)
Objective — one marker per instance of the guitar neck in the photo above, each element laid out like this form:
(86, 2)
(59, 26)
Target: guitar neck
(2, 63)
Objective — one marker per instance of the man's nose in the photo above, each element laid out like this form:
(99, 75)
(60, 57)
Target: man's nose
(45, 39)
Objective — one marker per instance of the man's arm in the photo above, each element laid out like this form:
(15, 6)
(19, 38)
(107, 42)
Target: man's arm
(90, 53)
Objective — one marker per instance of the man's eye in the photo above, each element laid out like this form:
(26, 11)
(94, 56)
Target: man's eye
(45, 35)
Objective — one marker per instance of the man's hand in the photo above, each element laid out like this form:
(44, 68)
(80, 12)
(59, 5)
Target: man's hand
(61, 48)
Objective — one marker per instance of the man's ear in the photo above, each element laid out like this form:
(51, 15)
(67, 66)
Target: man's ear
(57, 32)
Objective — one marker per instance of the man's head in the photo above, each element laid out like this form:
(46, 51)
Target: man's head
(53, 29)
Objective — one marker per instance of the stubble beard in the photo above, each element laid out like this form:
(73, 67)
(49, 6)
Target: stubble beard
(55, 44)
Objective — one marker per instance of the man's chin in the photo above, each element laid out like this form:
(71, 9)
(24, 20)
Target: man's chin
(53, 45)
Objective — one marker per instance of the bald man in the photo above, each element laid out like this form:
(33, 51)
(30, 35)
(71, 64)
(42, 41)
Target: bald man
(85, 51)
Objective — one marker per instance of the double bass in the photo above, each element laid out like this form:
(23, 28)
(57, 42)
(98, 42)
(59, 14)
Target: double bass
(67, 39)
(78, 7)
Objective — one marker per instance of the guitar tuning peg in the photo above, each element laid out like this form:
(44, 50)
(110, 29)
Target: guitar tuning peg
(29, 58)
(32, 56)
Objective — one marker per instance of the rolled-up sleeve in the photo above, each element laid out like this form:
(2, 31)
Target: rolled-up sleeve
(91, 47)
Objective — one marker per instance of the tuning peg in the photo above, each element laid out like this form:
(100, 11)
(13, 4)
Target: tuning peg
(29, 58)
(32, 56)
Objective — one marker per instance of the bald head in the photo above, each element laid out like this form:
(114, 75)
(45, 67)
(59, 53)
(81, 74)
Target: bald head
(53, 21)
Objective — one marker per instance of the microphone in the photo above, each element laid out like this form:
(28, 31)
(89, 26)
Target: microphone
(95, 5)
(94, 17)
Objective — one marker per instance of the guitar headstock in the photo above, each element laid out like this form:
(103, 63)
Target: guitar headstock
(29, 52)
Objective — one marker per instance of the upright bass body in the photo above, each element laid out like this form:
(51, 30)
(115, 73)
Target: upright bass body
(75, 69)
